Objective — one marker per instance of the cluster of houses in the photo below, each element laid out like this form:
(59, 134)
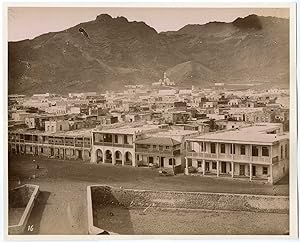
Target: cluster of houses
(209, 132)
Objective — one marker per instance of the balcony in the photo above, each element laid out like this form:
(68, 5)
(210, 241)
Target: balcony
(126, 145)
(202, 155)
(230, 157)
(101, 143)
(225, 156)
(154, 151)
(28, 141)
(58, 144)
(210, 155)
(245, 158)
(69, 144)
(13, 140)
(194, 154)
(261, 159)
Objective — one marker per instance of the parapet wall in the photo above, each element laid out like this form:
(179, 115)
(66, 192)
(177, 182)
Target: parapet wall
(201, 200)
(23, 196)
(98, 196)
(20, 196)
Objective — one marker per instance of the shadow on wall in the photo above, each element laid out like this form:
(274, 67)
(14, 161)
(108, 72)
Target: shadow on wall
(284, 180)
(33, 224)
(108, 213)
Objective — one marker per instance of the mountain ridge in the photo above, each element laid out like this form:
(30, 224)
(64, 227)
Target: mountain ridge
(108, 53)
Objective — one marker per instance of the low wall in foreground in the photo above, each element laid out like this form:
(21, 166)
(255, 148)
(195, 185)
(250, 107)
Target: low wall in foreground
(106, 195)
(23, 196)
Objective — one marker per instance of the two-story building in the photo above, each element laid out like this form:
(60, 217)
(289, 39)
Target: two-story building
(56, 125)
(59, 145)
(158, 151)
(57, 109)
(174, 117)
(254, 152)
(117, 146)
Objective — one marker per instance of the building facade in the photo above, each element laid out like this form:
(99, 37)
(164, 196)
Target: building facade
(251, 153)
(59, 146)
(158, 151)
(56, 125)
(113, 146)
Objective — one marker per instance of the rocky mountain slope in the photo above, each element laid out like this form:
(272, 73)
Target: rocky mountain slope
(108, 53)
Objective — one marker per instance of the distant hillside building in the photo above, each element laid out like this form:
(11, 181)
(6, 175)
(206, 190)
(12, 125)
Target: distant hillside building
(219, 85)
(165, 82)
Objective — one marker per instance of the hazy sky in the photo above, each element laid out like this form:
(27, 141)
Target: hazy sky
(29, 22)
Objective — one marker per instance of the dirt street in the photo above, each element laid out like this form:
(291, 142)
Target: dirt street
(61, 205)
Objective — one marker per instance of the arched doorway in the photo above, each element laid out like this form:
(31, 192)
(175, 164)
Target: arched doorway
(128, 158)
(108, 156)
(99, 156)
(118, 156)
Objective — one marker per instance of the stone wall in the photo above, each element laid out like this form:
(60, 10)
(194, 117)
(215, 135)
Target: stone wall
(23, 196)
(99, 196)
(19, 197)
(199, 200)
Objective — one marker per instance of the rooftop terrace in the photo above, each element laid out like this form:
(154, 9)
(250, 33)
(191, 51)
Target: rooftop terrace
(251, 134)
(70, 133)
(130, 129)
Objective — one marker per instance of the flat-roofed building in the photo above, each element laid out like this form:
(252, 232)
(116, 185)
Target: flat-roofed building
(234, 102)
(176, 117)
(117, 146)
(176, 135)
(229, 124)
(74, 110)
(41, 104)
(258, 152)
(58, 109)
(158, 151)
(56, 125)
(59, 145)
(30, 122)
(41, 95)
(15, 98)
(20, 115)
(193, 126)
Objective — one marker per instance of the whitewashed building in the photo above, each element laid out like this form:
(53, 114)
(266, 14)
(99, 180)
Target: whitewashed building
(117, 146)
(258, 152)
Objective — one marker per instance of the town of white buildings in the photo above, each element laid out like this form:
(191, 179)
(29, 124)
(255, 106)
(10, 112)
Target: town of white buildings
(218, 132)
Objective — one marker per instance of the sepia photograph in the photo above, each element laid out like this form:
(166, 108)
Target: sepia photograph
(132, 120)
